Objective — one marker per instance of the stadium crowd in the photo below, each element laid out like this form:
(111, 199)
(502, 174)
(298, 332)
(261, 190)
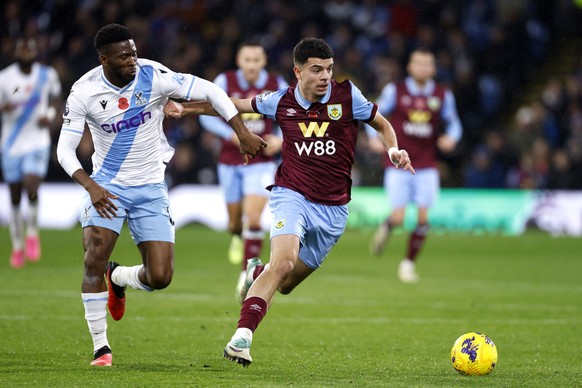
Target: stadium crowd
(487, 52)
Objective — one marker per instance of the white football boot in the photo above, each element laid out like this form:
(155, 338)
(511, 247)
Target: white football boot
(239, 347)
(407, 272)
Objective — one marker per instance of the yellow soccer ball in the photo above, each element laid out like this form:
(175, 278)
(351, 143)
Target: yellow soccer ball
(474, 354)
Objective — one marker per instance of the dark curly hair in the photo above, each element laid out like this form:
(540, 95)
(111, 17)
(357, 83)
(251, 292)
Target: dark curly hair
(111, 33)
(311, 48)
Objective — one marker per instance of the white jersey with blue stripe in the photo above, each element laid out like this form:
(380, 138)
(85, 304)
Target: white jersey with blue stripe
(29, 96)
(126, 123)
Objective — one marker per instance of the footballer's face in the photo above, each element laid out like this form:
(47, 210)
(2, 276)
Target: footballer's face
(119, 62)
(25, 52)
(251, 60)
(422, 66)
(313, 77)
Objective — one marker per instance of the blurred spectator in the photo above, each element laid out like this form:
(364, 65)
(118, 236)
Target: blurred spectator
(560, 176)
(490, 163)
(479, 173)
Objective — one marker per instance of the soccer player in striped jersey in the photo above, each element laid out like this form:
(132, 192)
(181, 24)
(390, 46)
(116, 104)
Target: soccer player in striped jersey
(121, 101)
(319, 120)
(28, 94)
(244, 186)
(424, 116)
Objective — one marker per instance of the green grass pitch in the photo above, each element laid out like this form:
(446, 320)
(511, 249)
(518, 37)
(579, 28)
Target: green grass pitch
(352, 323)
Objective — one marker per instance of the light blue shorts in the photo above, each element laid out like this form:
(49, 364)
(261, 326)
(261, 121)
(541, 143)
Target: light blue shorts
(318, 227)
(146, 208)
(14, 168)
(239, 180)
(403, 188)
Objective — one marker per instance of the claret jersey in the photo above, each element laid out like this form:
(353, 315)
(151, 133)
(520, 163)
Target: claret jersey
(238, 87)
(319, 139)
(419, 117)
(126, 123)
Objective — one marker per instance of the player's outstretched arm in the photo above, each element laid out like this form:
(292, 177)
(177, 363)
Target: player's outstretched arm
(250, 144)
(177, 110)
(400, 158)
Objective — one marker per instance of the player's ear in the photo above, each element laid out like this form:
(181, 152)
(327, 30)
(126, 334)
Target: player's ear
(103, 59)
(297, 71)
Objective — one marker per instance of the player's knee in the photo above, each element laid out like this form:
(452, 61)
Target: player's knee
(160, 278)
(92, 262)
(94, 270)
(286, 289)
(282, 268)
(234, 227)
(254, 221)
(32, 196)
(396, 221)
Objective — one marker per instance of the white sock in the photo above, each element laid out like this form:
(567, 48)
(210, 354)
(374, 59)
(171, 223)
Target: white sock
(243, 332)
(16, 228)
(96, 316)
(127, 276)
(253, 234)
(32, 221)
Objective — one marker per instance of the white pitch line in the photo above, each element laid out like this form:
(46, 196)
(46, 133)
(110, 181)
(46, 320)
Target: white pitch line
(308, 301)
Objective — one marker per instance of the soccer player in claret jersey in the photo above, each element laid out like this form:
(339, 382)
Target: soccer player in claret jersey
(244, 186)
(28, 95)
(121, 101)
(418, 108)
(319, 120)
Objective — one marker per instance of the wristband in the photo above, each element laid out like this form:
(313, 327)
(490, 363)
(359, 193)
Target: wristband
(391, 151)
(51, 113)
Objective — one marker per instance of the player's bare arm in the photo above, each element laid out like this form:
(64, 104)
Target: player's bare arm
(400, 158)
(177, 109)
(100, 198)
(250, 144)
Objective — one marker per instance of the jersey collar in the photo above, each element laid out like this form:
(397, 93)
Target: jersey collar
(306, 104)
(117, 89)
(416, 91)
(244, 84)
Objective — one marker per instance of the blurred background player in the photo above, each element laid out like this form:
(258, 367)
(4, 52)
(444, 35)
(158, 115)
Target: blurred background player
(28, 93)
(244, 186)
(418, 108)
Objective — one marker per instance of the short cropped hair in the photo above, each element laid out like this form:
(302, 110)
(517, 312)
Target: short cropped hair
(422, 50)
(250, 43)
(311, 48)
(111, 33)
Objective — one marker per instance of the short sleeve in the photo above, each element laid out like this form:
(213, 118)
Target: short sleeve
(173, 84)
(266, 103)
(363, 109)
(387, 100)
